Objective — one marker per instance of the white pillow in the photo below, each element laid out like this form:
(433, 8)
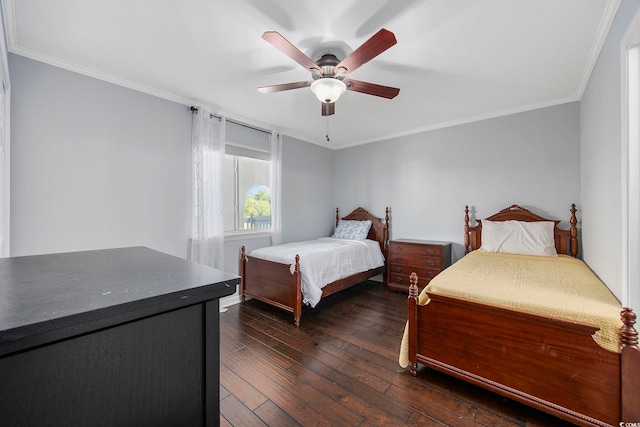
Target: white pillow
(518, 237)
(352, 230)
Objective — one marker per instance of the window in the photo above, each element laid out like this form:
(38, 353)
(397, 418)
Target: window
(247, 196)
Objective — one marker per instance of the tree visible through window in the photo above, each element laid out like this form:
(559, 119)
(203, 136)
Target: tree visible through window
(257, 208)
(247, 202)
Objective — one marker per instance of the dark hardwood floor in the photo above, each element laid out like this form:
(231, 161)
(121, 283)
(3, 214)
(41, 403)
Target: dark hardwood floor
(340, 369)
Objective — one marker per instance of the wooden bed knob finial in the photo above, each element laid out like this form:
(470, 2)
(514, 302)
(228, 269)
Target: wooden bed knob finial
(628, 334)
(413, 285)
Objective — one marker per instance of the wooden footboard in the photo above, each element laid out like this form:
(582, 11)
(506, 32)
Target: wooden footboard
(273, 283)
(547, 363)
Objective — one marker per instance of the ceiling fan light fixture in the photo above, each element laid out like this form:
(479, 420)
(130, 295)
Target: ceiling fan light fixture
(328, 89)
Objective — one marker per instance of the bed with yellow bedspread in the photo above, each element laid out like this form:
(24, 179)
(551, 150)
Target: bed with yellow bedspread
(561, 287)
(541, 330)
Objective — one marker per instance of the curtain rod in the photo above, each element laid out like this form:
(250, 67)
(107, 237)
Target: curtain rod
(211, 115)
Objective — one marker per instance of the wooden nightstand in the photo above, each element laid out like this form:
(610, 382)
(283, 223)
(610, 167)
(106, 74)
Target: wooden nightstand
(424, 257)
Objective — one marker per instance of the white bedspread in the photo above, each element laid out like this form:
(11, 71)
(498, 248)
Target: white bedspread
(324, 260)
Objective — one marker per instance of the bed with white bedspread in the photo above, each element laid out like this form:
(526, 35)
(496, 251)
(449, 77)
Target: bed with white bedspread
(324, 260)
(292, 274)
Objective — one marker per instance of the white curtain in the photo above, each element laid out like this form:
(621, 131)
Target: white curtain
(275, 173)
(207, 141)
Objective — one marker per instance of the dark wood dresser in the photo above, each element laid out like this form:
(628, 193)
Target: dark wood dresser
(116, 337)
(424, 257)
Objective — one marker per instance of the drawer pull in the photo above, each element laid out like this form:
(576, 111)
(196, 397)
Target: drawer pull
(431, 262)
(398, 259)
(430, 274)
(399, 269)
(399, 279)
(398, 248)
(431, 251)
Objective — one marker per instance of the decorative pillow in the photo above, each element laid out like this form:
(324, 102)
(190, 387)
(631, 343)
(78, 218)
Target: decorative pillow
(352, 230)
(518, 237)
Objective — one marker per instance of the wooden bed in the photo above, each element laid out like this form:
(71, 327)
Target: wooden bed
(274, 284)
(547, 363)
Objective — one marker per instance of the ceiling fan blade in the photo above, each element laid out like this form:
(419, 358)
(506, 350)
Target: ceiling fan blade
(328, 108)
(285, 46)
(372, 89)
(283, 87)
(378, 43)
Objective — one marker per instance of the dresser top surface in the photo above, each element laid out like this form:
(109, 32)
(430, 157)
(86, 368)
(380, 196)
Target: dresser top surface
(421, 242)
(41, 293)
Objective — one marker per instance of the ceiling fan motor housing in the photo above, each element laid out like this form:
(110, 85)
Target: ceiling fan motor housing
(327, 64)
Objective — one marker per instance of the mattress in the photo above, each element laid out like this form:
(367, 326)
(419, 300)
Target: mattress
(324, 260)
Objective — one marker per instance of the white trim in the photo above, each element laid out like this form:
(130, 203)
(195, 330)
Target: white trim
(230, 300)
(243, 235)
(72, 66)
(90, 72)
(452, 123)
(608, 16)
(630, 171)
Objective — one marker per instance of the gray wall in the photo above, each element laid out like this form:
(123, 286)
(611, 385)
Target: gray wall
(95, 165)
(531, 159)
(601, 159)
(308, 205)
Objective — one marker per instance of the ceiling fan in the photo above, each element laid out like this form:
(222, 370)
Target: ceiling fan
(330, 75)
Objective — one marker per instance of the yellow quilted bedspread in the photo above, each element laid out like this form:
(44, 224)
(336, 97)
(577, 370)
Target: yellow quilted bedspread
(562, 287)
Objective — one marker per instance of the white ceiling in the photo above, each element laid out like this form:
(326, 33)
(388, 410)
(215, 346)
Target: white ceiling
(456, 61)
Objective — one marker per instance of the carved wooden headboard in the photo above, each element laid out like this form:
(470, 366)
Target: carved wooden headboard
(566, 240)
(379, 230)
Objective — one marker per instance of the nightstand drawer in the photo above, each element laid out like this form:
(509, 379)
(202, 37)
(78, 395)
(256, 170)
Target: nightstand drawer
(407, 270)
(403, 280)
(420, 261)
(409, 249)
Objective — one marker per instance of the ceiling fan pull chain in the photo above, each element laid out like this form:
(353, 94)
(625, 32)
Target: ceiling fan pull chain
(327, 131)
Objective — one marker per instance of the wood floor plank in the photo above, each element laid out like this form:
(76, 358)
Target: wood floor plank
(316, 351)
(446, 411)
(272, 415)
(242, 390)
(224, 422)
(275, 382)
(359, 400)
(335, 384)
(340, 368)
(237, 414)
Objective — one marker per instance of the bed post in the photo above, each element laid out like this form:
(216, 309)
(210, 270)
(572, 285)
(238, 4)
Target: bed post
(385, 246)
(386, 228)
(243, 264)
(574, 232)
(466, 229)
(337, 217)
(629, 368)
(413, 323)
(297, 285)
